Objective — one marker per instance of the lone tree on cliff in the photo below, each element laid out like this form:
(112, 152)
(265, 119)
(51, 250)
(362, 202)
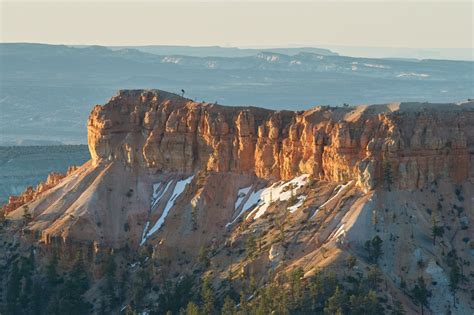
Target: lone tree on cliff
(454, 280)
(374, 249)
(387, 173)
(26, 214)
(436, 230)
(182, 92)
(421, 293)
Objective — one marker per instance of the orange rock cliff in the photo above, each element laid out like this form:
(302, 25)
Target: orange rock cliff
(169, 176)
(412, 143)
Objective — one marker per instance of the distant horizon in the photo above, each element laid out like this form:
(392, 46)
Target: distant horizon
(428, 25)
(382, 52)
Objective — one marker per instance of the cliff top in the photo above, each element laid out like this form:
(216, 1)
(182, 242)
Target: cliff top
(148, 94)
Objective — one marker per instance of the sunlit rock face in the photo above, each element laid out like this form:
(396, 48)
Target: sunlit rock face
(408, 145)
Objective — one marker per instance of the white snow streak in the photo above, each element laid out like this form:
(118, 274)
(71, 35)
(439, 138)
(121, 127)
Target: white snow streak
(298, 204)
(157, 195)
(413, 74)
(178, 190)
(277, 192)
(243, 192)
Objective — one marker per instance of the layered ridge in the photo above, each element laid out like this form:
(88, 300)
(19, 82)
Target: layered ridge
(408, 145)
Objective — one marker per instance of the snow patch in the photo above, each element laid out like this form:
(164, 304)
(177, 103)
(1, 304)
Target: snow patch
(243, 192)
(298, 204)
(268, 58)
(144, 233)
(280, 191)
(170, 59)
(178, 190)
(413, 74)
(241, 196)
(157, 194)
(370, 65)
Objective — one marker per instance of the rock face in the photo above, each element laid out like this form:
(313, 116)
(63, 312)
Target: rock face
(407, 145)
(169, 176)
(31, 193)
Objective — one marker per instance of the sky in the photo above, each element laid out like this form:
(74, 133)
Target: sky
(402, 23)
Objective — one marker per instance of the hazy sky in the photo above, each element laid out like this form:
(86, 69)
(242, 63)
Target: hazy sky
(420, 24)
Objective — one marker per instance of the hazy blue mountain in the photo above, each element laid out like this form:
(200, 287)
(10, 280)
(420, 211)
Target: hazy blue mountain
(217, 51)
(47, 91)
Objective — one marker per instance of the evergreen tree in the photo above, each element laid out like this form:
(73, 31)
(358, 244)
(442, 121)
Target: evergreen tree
(13, 290)
(421, 293)
(296, 287)
(436, 230)
(37, 297)
(110, 282)
(192, 309)
(374, 249)
(387, 173)
(351, 262)
(228, 308)
(244, 307)
(51, 272)
(373, 305)
(374, 276)
(336, 304)
(398, 308)
(26, 215)
(204, 257)
(454, 280)
(207, 296)
(76, 284)
(250, 246)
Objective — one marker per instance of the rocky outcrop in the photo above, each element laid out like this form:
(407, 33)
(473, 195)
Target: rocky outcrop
(31, 194)
(405, 146)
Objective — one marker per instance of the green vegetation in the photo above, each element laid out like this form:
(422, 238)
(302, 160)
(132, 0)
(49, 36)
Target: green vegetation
(34, 291)
(421, 294)
(374, 249)
(436, 230)
(204, 257)
(387, 173)
(26, 214)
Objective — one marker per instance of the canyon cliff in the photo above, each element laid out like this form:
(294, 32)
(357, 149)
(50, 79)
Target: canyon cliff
(169, 175)
(159, 131)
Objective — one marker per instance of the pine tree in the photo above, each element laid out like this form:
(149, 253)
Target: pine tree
(436, 230)
(336, 304)
(228, 308)
(421, 293)
(51, 272)
(244, 306)
(374, 249)
(204, 257)
(207, 296)
(398, 308)
(387, 173)
(454, 279)
(110, 281)
(192, 309)
(13, 290)
(26, 214)
(296, 287)
(76, 284)
(250, 246)
(351, 261)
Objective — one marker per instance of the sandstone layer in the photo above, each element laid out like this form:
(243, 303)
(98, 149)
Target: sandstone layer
(412, 143)
(169, 176)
